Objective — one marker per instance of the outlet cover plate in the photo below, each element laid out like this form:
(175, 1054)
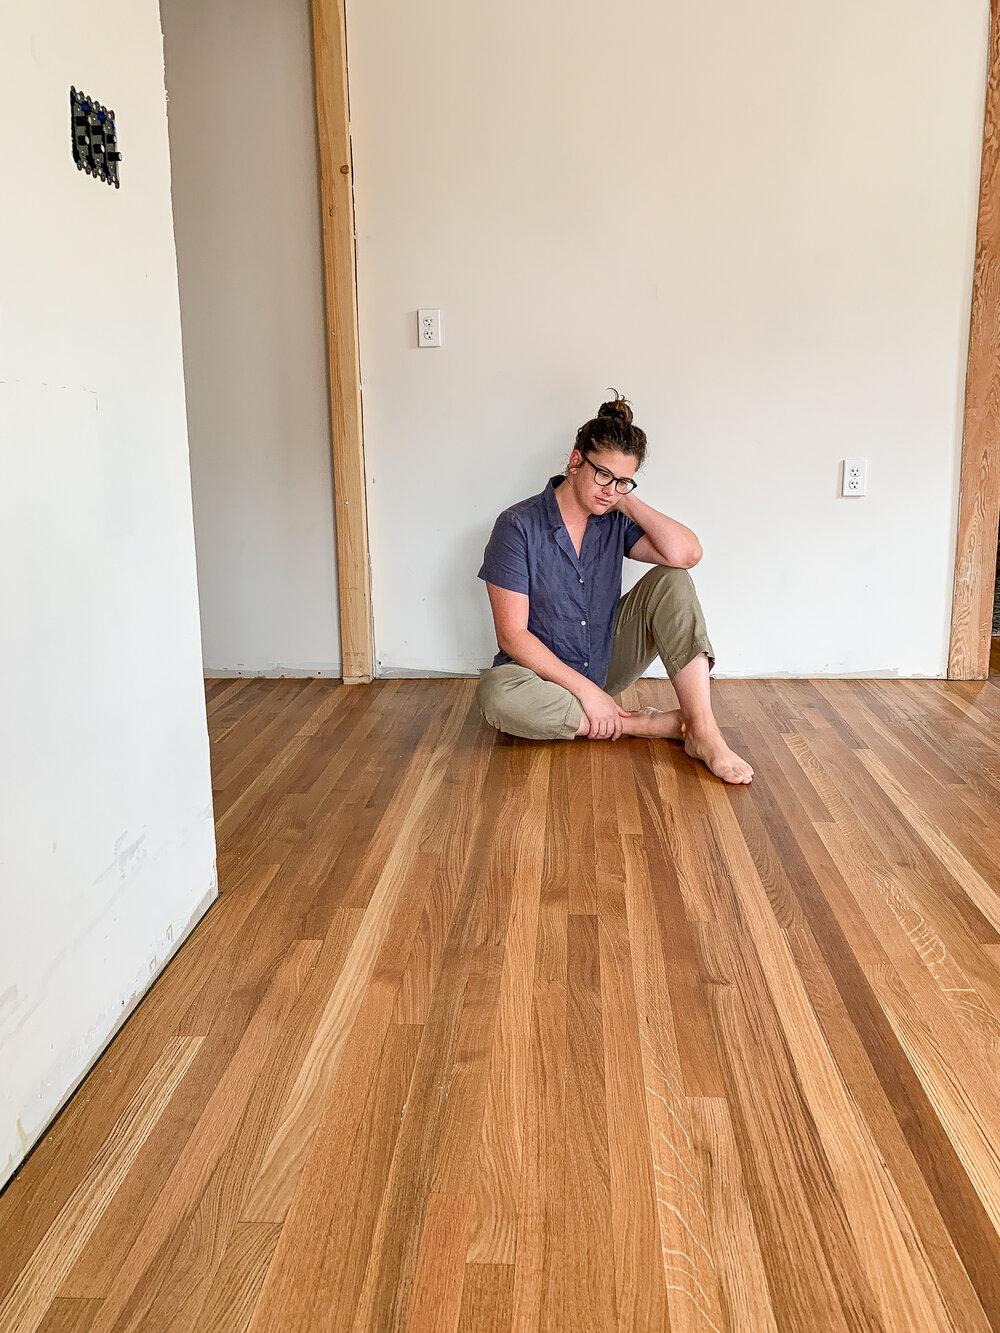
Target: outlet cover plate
(855, 480)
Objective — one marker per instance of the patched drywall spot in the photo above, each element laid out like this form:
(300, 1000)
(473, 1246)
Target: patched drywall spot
(8, 1000)
(22, 1138)
(127, 857)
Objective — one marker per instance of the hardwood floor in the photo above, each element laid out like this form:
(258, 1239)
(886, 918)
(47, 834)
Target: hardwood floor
(496, 1035)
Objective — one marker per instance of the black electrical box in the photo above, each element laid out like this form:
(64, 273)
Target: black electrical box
(95, 139)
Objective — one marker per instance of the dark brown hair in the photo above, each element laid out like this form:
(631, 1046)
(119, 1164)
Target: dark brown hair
(612, 429)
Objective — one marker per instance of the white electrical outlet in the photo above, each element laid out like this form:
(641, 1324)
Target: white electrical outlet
(429, 328)
(855, 476)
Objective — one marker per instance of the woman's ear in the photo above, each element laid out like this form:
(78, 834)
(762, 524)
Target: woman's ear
(575, 461)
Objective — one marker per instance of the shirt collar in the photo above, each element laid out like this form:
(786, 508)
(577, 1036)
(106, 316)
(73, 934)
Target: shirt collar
(556, 522)
(551, 504)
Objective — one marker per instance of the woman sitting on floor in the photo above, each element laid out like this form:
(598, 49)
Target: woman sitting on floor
(568, 639)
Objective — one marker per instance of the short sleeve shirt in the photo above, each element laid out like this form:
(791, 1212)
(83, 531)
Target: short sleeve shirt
(572, 599)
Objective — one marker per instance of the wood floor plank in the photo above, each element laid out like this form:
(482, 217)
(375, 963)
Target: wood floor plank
(539, 1277)
(128, 1296)
(463, 784)
(188, 1263)
(509, 840)
(662, 1257)
(471, 947)
(812, 1269)
(696, 1040)
(494, 1034)
(984, 896)
(960, 1207)
(238, 1278)
(852, 1060)
(729, 1235)
(95, 1268)
(280, 1297)
(436, 1299)
(331, 1298)
(386, 865)
(61, 1160)
(249, 751)
(948, 1271)
(356, 869)
(942, 925)
(587, 1254)
(487, 1299)
(496, 1166)
(250, 692)
(967, 1109)
(640, 1282)
(686, 1275)
(69, 1314)
(25, 1305)
(901, 1280)
(884, 838)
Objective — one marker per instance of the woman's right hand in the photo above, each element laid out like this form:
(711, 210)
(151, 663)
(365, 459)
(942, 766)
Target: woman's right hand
(603, 714)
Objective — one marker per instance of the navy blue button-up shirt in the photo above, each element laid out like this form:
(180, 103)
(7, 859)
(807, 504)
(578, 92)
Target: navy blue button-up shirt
(572, 599)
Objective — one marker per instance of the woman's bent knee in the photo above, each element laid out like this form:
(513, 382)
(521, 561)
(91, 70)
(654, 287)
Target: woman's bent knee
(518, 704)
(671, 580)
(490, 698)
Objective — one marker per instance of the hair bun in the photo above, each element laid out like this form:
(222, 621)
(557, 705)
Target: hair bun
(618, 408)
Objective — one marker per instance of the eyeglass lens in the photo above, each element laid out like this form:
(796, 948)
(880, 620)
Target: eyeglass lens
(603, 478)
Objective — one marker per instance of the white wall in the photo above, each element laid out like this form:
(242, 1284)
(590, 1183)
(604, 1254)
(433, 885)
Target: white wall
(249, 250)
(757, 221)
(106, 838)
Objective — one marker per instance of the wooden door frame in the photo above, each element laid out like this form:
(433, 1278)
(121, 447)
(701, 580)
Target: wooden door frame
(979, 495)
(347, 441)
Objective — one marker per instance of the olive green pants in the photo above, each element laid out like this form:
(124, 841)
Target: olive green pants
(661, 616)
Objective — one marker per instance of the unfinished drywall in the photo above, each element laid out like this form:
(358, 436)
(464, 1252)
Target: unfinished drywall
(107, 852)
(249, 250)
(757, 221)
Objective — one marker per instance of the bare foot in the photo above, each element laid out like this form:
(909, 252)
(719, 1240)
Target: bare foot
(654, 722)
(716, 755)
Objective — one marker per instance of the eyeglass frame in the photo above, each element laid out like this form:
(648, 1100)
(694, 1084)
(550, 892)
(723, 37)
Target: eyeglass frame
(633, 484)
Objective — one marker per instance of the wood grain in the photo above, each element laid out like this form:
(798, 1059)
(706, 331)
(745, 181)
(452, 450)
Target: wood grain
(979, 498)
(487, 1034)
(38, 1283)
(337, 203)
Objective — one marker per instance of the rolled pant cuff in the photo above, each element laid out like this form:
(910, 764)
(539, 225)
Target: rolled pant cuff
(675, 664)
(571, 723)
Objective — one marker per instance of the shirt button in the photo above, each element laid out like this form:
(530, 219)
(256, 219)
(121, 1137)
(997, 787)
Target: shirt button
(583, 622)
(581, 580)
(586, 664)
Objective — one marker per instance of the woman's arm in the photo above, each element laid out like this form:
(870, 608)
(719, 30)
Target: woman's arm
(510, 616)
(666, 542)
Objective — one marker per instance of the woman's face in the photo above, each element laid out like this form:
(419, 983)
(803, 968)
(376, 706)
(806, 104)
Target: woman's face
(587, 471)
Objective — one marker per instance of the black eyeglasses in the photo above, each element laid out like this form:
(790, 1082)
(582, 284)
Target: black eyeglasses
(604, 478)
